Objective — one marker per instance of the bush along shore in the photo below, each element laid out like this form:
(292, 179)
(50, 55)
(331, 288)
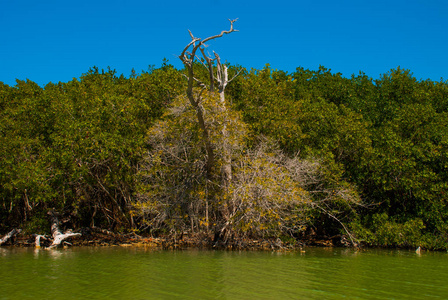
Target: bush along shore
(221, 156)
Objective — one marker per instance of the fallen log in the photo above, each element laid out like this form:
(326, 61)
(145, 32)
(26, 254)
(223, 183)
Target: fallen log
(58, 236)
(9, 236)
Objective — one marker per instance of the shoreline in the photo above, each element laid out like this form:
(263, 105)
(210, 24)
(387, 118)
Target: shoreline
(104, 238)
(97, 237)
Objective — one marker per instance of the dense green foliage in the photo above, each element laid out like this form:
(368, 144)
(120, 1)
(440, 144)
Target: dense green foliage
(75, 146)
(99, 148)
(387, 136)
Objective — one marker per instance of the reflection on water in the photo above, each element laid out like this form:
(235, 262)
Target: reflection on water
(140, 273)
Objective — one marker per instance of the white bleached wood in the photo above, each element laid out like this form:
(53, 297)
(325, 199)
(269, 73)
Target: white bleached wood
(9, 235)
(58, 236)
(38, 238)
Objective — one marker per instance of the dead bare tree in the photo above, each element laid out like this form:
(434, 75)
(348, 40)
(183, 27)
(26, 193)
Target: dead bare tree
(189, 57)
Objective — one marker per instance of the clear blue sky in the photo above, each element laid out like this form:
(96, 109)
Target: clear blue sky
(49, 40)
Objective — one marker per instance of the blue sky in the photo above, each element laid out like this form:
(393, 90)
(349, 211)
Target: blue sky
(57, 40)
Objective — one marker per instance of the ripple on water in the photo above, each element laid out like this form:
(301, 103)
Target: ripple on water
(139, 273)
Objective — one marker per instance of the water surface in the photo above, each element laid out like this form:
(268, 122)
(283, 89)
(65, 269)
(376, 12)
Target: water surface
(139, 273)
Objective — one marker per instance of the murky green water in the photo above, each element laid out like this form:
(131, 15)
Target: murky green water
(139, 273)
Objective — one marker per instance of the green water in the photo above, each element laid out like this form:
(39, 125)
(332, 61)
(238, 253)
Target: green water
(139, 273)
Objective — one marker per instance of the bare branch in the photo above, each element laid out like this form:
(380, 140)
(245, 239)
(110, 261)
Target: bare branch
(191, 34)
(182, 56)
(236, 75)
(200, 83)
(201, 43)
(352, 238)
(200, 60)
(222, 32)
(210, 69)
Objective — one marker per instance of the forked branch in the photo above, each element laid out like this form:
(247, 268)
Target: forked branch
(189, 60)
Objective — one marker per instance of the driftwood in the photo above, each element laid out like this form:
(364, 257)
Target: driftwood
(9, 236)
(58, 236)
(38, 238)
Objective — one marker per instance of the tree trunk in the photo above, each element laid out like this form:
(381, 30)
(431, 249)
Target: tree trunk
(226, 169)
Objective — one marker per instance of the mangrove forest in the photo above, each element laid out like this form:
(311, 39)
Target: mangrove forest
(229, 154)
